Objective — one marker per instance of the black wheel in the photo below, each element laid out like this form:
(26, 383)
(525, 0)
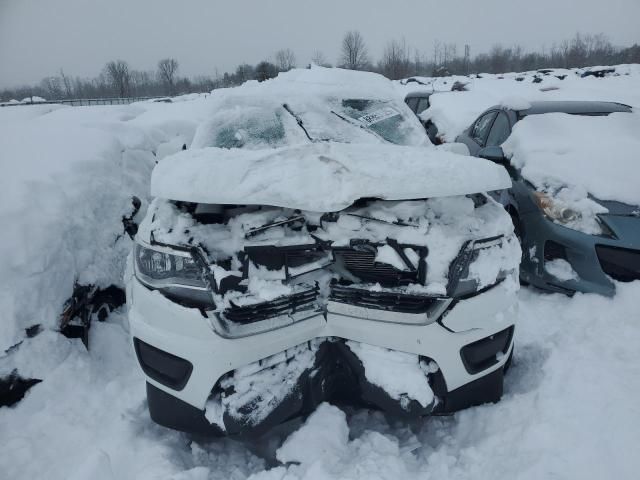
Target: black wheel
(106, 301)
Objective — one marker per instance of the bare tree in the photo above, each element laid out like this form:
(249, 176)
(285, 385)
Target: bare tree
(354, 52)
(319, 59)
(449, 53)
(285, 59)
(52, 87)
(395, 63)
(118, 75)
(66, 82)
(437, 55)
(167, 69)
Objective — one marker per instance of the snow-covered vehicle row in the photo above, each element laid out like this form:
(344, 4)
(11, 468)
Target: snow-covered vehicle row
(575, 199)
(573, 163)
(311, 245)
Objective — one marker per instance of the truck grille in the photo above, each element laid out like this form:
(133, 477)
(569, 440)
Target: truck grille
(297, 302)
(362, 264)
(395, 302)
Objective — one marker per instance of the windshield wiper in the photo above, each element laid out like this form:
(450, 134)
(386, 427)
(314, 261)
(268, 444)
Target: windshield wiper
(298, 121)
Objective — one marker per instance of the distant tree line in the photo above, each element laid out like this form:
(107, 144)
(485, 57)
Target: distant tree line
(398, 60)
(583, 50)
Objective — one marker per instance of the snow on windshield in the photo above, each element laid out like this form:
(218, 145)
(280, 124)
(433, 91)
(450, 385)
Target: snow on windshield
(595, 155)
(245, 123)
(311, 105)
(345, 121)
(253, 123)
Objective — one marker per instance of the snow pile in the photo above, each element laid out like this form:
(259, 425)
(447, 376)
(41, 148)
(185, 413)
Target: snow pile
(321, 177)
(596, 154)
(318, 452)
(68, 176)
(561, 269)
(89, 419)
(34, 99)
(402, 375)
(324, 435)
(328, 82)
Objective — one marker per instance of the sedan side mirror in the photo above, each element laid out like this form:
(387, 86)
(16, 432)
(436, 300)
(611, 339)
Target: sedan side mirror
(495, 154)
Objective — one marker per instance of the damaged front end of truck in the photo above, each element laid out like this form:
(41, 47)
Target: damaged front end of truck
(249, 270)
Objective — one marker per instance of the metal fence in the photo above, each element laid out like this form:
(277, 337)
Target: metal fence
(84, 102)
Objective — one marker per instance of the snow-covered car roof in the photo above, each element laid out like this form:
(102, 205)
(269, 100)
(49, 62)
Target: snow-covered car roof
(453, 112)
(598, 155)
(573, 107)
(317, 139)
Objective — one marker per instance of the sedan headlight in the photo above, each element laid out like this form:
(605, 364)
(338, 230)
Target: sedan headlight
(174, 273)
(555, 209)
(578, 214)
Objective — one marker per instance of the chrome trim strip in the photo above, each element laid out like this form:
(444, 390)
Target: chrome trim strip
(389, 316)
(219, 323)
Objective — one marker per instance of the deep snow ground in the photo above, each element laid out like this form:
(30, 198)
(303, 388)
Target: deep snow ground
(570, 411)
(571, 405)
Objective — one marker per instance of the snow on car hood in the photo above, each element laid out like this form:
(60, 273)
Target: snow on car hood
(595, 155)
(321, 177)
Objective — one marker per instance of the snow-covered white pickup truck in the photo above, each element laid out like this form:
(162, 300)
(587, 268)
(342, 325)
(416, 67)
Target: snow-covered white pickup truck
(312, 245)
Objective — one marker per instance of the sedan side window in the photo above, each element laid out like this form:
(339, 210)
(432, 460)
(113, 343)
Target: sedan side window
(481, 128)
(412, 102)
(499, 131)
(423, 104)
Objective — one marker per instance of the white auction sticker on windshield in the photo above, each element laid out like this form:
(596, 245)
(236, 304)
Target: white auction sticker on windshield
(378, 115)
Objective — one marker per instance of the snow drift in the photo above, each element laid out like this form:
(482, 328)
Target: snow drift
(68, 176)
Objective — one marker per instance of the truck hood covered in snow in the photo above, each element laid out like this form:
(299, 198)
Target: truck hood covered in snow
(321, 177)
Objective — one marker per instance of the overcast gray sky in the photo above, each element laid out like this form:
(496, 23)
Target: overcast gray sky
(38, 37)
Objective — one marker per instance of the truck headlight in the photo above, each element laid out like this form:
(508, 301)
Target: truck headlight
(175, 274)
(461, 281)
